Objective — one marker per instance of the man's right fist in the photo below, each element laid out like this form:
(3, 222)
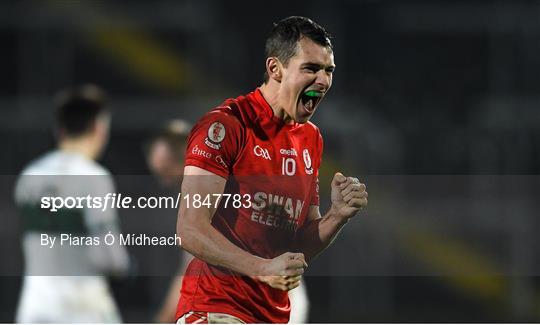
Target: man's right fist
(283, 272)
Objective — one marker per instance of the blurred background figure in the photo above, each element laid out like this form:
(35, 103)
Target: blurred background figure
(66, 283)
(165, 153)
(165, 157)
(299, 304)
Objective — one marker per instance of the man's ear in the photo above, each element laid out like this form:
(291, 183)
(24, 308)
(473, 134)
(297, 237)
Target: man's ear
(274, 68)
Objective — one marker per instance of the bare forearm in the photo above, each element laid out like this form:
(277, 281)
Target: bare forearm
(199, 237)
(319, 234)
(208, 244)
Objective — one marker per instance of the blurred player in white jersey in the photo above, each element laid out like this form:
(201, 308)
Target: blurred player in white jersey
(67, 283)
(165, 157)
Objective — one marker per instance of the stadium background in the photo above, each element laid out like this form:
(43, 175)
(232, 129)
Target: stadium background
(435, 105)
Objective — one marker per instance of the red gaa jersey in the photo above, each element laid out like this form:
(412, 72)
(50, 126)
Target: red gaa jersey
(274, 167)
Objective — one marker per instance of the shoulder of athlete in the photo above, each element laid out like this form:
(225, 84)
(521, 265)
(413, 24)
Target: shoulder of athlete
(226, 113)
(221, 123)
(311, 126)
(315, 133)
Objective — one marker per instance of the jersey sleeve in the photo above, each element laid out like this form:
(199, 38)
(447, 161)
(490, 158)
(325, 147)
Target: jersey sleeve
(214, 143)
(315, 198)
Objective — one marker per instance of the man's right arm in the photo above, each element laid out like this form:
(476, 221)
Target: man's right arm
(201, 239)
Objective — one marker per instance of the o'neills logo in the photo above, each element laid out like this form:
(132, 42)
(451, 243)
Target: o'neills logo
(216, 134)
(276, 210)
(307, 162)
(288, 152)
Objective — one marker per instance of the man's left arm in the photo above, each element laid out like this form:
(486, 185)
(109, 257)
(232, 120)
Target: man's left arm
(348, 197)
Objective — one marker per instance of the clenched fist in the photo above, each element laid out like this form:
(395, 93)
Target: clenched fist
(283, 272)
(348, 196)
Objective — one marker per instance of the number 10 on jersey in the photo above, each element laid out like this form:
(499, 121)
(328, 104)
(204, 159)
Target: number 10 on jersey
(288, 166)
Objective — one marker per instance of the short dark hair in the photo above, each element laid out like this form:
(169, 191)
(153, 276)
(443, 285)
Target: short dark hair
(284, 37)
(78, 109)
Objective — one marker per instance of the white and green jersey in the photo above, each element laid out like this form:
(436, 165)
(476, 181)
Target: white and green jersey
(65, 283)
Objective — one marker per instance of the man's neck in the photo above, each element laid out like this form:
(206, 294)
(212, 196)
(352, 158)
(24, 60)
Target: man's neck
(82, 146)
(270, 92)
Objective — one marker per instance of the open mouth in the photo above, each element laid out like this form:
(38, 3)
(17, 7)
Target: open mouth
(310, 99)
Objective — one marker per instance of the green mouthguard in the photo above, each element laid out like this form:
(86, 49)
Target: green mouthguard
(313, 93)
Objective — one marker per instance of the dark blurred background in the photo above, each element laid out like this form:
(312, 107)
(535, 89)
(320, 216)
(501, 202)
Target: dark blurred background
(444, 93)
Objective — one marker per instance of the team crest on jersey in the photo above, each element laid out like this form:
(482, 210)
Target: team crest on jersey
(216, 134)
(307, 162)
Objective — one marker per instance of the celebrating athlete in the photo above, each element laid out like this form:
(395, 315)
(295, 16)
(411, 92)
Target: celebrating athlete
(262, 150)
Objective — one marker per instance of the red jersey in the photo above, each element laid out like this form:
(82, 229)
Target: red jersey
(276, 165)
